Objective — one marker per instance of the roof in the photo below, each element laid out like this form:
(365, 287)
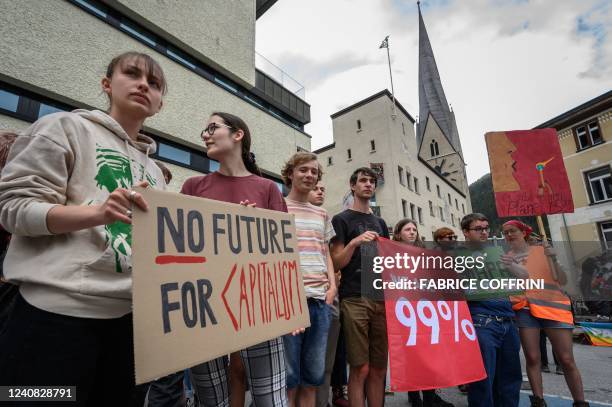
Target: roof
(261, 6)
(432, 100)
(371, 98)
(580, 113)
(325, 148)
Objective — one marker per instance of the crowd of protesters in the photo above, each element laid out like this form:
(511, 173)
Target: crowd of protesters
(66, 202)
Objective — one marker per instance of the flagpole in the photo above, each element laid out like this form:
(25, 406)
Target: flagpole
(385, 44)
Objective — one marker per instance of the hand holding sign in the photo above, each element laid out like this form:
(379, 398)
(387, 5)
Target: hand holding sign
(210, 278)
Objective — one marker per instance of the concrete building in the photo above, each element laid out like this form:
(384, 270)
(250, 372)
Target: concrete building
(423, 174)
(54, 54)
(585, 135)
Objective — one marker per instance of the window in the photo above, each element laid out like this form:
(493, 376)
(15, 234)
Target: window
(427, 183)
(92, 8)
(31, 106)
(450, 201)
(587, 135)
(420, 212)
(438, 190)
(145, 36)
(605, 228)
(358, 124)
(403, 129)
(431, 211)
(441, 213)
(453, 219)
(348, 154)
(433, 148)
(136, 33)
(400, 174)
(416, 185)
(409, 180)
(372, 145)
(8, 101)
(174, 154)
(44, 110)
(412, 211)
(599, 184)
(214, 166)
(404, 208)
(456, 204)
(463, 208)
(330, 161)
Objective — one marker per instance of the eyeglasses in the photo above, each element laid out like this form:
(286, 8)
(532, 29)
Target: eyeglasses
(210, 129)
(449, 237)
(480, 230)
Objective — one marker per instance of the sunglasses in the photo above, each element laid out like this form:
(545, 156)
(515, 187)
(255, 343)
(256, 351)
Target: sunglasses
(449, 237)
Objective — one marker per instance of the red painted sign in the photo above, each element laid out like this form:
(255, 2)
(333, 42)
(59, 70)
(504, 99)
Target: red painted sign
(528, 173)
(432, 343)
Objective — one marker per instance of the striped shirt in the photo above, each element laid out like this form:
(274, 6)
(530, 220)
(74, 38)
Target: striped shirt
(314, 231)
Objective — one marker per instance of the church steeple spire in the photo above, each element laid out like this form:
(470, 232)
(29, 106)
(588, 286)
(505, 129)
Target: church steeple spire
(432, 100)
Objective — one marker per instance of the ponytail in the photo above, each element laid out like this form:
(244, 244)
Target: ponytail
(236, 123)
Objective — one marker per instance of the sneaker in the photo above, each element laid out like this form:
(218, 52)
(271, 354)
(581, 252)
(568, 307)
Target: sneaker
(338, 398)
(545, 369)
(559, 370)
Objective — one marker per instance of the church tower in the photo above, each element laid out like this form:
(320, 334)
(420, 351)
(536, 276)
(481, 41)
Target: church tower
(437, 135)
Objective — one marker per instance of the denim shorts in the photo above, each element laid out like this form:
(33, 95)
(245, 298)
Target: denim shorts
(524, 319)
(305, 353)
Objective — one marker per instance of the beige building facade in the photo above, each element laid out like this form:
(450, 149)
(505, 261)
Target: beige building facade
(54, 54)
(585, 136)
(371, 133)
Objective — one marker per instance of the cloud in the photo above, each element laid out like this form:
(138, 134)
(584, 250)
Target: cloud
(504, 65)
(596, 23)
(312, 73)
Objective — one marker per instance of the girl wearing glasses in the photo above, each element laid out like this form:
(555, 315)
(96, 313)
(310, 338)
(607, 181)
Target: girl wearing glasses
(238, 180)
(547, 309)
(406, 231)
(66, 197)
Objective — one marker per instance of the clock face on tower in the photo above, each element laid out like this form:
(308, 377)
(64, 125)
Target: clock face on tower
(449, 168)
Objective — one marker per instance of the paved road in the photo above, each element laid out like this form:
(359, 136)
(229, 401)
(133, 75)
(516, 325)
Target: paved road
(595, 364)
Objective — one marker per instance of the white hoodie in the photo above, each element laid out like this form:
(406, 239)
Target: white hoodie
(75, 158)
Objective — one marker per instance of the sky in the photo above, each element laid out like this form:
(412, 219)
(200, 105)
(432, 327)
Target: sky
(504, 65)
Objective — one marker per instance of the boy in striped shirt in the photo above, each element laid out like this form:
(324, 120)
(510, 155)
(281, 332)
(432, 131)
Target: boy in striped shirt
(305, 352)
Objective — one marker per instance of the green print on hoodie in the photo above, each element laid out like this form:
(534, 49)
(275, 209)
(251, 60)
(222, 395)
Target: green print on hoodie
(114, 171)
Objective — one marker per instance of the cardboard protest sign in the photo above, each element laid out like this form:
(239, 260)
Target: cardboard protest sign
(528, 173)
(210, 278)
(436, 335)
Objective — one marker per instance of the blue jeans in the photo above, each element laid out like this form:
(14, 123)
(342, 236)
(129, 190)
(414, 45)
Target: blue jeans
(305, 353)
(499, 345)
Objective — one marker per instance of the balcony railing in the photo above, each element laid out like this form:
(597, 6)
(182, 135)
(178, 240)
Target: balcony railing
(280, 76)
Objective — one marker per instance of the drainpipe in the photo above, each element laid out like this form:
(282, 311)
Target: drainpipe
(569, 240)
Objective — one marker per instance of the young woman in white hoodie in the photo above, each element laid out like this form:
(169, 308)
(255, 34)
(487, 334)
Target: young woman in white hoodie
(66, 196)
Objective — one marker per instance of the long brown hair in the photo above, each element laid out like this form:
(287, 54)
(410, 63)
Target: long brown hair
(397, 231)
(236, 123)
